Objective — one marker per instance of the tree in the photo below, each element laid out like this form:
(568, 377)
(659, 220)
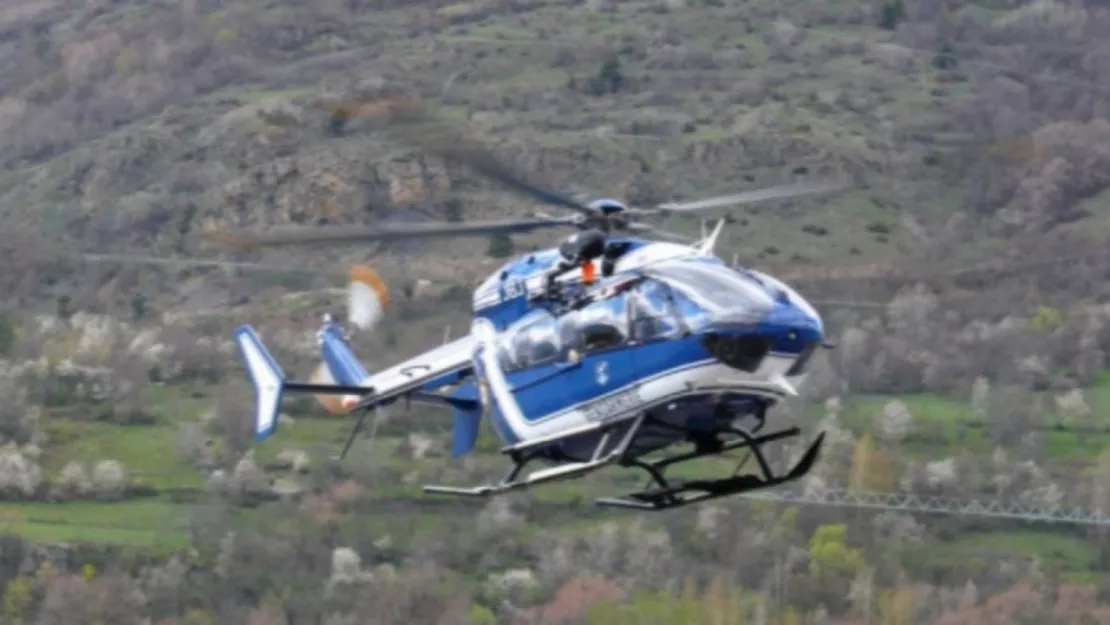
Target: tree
(871, 469)
(481, 615)
(896, 606)
(500, 246)
(830, 555)
(609, 78)
(337, 123)
(1046, 320)
(138, 306)
(893, 12)
(1100, 491)
(945, 57)
(453, 210)
(7, 335)
(64, 306)
(17, 598)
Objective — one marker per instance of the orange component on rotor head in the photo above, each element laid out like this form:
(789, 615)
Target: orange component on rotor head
(588, 272)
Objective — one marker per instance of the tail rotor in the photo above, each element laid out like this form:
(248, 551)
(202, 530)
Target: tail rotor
(367, 297)
(367, 300)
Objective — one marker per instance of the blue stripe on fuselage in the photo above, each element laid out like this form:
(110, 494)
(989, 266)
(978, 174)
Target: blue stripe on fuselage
(648, 361)
(655, 359)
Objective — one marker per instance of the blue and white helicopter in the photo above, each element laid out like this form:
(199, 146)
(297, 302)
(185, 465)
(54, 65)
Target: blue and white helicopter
(669, 345)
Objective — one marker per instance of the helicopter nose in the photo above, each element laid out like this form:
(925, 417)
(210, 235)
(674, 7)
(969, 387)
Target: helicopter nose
(785, 328)
(792, 327)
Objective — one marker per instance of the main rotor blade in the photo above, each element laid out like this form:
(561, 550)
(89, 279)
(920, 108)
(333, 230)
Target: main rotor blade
(659, 232)
(339, 234)
(750, 197)
(138, 259)
(411, 121)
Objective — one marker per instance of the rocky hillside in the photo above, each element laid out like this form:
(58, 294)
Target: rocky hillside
(133, 125)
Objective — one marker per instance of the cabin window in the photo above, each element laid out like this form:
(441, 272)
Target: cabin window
(534, 342)
(569, 333)
(693, 315)
(604, 324)
(652, 312)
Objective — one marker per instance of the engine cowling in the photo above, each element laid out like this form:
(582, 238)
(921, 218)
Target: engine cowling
(582, 247)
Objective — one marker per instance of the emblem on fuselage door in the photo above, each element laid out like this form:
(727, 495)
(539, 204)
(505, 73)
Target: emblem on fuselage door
(602, 373)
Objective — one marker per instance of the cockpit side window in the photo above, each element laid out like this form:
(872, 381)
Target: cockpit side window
(533, 343)
(569, 335)
(603, 324)
(652, 312)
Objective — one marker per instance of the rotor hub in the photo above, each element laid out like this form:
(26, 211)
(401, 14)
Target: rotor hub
(608, 206)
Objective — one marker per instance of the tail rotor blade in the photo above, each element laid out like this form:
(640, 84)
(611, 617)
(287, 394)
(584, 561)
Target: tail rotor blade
(659, 232)
(337, 405)
(367, 297)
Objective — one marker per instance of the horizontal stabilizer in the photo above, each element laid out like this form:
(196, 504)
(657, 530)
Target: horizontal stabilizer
(267, 378)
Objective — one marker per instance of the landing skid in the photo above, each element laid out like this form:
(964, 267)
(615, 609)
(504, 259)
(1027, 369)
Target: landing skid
(665, 495)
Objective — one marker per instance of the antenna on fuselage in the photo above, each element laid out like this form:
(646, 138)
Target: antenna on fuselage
(708, 243)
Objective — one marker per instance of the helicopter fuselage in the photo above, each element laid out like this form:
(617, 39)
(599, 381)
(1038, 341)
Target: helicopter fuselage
(672, 345)
(664, 374)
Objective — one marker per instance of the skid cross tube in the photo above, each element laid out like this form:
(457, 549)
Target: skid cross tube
(745, 440)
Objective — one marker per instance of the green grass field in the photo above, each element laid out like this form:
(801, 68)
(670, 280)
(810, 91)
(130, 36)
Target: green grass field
(944, 426)
(156, 523)
(150, 451)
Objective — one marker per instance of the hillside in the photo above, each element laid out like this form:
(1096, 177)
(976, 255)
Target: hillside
(963, 277)
(132, 125)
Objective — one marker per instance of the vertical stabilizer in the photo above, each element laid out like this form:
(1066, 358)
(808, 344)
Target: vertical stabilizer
(267, 378)
(340, 366)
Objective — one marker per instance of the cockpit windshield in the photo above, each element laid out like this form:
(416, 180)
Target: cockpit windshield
(716, 288)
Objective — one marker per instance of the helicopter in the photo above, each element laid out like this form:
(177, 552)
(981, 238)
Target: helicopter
(604, 350)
